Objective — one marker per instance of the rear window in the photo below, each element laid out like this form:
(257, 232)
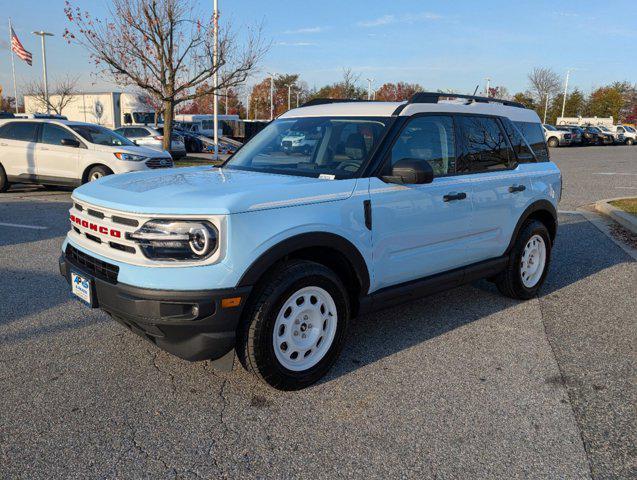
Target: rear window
(522, 150)
(535, 138)
(21, 131)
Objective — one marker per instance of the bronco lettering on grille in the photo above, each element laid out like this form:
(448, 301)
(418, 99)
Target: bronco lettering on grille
(96, 228)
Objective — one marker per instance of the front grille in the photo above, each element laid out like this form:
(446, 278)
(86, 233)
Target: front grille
(286, 144)
(95, 267)
(159, 163)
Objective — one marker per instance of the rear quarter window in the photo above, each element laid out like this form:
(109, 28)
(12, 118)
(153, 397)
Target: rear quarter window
(535, 138)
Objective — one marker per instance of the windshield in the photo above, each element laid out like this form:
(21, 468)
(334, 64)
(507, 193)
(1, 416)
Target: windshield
(629, 129)
(593, 129)
(146, 117)
(336, 147)
(101, 136)
(550, 127)
(604, 129)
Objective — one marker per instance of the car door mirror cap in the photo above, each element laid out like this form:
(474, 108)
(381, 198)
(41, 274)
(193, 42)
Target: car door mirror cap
(410, 171)
(70, 142)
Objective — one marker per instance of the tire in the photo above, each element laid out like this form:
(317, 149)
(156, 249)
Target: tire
(553, 142)
(629, 141)
(517, 281)
(321, 321)
(4, 183)
(98, 172)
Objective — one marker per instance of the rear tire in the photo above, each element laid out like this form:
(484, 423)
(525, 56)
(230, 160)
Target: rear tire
(294, 327)
(528, 262)
(629, 141)
(98, 172)
(4, 183)
(553, 142)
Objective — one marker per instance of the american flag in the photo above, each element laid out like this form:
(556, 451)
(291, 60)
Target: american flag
(19, 50)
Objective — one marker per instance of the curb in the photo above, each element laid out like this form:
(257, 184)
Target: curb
(626, 220)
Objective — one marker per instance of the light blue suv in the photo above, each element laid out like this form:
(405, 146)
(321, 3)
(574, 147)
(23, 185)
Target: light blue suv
(274, 253)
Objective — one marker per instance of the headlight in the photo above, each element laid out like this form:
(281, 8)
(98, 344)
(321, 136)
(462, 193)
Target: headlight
(129, 157)
(176, 239)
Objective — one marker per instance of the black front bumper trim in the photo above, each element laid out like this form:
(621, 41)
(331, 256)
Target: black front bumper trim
(189, 324)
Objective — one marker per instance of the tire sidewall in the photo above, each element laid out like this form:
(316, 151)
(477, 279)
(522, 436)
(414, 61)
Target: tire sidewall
(276, 374)
(530, 229)
(4, 183)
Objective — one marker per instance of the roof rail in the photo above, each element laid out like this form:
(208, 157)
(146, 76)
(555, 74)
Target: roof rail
(434, 97)
(326, 101)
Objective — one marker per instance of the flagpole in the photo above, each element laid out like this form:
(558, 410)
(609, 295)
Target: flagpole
(15, 85)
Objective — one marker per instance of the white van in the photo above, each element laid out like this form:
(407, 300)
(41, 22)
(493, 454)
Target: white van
(203, 124)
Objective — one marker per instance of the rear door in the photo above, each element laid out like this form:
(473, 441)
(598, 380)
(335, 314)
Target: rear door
(17, 149)
(501, 186)
(54, 161)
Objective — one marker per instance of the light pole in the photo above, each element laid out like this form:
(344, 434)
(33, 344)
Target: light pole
(290, 85)
(215, 77)
(488, 92)
(297, 98)
(568, 73)
(43, 34)
(369, 88)
(271, 95)
(546, 107)
(226, 100)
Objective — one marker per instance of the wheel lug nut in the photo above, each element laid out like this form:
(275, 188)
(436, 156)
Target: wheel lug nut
(309, 326)
(297, 321)
(303, 335)
(296, 333)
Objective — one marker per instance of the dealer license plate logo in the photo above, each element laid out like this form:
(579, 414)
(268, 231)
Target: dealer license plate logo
(81, 287)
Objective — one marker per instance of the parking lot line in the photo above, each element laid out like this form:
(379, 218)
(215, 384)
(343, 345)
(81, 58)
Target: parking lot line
(614, 173)
(17, 225)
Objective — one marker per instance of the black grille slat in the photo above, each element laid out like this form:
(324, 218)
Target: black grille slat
(95, 267)
(95, 213)
(125, 221)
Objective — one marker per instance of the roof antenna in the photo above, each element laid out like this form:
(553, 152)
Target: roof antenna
(476, 90)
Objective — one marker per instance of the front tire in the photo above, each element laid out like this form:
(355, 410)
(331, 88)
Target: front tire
(98, 172)
(528, 262)
(294, 328)
(553, 142)
(629, 141)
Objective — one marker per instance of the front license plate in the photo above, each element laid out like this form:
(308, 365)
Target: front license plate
(81, 287)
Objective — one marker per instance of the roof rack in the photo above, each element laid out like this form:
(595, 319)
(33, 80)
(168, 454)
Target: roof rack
(434, 97)
(326, 101)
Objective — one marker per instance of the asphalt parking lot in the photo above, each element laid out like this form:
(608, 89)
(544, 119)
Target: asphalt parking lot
(467, 384)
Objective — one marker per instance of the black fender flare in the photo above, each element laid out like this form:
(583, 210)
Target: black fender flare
(537, 206)
(305, 241)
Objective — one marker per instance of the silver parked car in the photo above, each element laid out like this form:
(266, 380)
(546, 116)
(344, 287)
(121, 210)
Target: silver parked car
(153, 137)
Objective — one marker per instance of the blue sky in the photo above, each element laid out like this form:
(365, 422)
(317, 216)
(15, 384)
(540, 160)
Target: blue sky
(439, 44)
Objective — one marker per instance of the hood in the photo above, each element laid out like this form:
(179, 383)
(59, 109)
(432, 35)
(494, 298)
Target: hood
(208, 191)
(135, 150)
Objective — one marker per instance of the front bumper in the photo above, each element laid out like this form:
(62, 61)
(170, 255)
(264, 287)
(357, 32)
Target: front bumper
(192, 325)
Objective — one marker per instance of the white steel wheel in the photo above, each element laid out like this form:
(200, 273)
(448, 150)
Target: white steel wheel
(305, 328)
(96, 175)
(533, 261)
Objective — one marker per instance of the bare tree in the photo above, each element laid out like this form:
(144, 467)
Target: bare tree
(60, 94)
(165, 47)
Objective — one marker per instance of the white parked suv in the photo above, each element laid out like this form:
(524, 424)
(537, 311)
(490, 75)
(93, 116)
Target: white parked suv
(153, 137)
(60, 152)
(555, 137)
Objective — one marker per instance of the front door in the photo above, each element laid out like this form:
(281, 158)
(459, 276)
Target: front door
(57, 162)
(421, 230)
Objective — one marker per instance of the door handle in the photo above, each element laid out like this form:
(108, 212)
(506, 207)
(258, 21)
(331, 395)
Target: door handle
(454, 196)
(516, 188)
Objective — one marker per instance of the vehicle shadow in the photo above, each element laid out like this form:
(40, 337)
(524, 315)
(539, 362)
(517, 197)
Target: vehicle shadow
(580, 251)
(50, 219)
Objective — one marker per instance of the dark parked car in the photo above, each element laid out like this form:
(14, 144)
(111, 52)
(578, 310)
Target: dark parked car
(193, 144)
(6, 115)
(576, 133)
(594, 136)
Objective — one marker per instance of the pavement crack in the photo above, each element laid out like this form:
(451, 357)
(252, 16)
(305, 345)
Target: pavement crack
(566, 389)
(166, 373)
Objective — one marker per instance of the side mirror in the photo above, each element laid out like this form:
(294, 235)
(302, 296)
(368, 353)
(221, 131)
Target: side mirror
(70, 142)
(410, 171)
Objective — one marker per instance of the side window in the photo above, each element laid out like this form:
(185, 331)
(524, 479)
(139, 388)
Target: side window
(53, 135)
(430, 139)
(487, 146)
(21, 131)
(522, 150)
(140, 132)
(534, 136)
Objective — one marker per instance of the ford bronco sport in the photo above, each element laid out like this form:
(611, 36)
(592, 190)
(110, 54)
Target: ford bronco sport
(273, 254)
